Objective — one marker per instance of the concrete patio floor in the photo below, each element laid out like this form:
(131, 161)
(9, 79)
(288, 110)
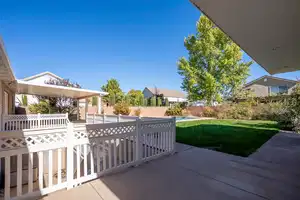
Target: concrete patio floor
(195, 173)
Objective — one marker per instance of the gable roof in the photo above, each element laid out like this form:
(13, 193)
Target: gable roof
(42, 74)
(271, 77)
(167, 92)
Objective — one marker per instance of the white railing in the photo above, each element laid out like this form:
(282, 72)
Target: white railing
(39, 162)
(33, 121)
(103, 118)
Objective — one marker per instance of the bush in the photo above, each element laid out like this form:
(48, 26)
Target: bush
(41, 107)
(208, 112)
(270, 111)
(175, 110)
(121, 108)
(137, 112)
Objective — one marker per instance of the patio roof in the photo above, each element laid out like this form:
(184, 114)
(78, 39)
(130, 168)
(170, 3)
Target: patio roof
(23, 87)
(268, 31)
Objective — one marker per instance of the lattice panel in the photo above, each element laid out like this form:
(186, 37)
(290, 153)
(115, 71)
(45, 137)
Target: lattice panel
(107, 131)
(7, 143)
(19, 117)
(156, 125)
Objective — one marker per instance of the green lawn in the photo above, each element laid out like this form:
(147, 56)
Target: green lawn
(238, 137)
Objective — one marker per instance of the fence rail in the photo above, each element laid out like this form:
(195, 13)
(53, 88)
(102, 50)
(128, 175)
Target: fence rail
(32, 121)
(38, 162)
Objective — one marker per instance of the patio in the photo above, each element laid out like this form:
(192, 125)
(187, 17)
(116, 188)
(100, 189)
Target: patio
(196, 173)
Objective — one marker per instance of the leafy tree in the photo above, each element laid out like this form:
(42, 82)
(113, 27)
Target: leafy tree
(94, 101)
(112, 99)
(23, 101)
(159, 102)
(135, 97)
(214, 67)
(60, 104)
(146, 102)
(153, 101)
(42, 107)
(141, 100)
(167, 102)
(113, 88)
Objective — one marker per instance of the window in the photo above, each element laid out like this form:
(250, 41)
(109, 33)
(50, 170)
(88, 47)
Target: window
(275, 90)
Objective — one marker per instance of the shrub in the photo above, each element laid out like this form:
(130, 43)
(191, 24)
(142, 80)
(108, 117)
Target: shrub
(137, 112)
(175, 110)
(208, 112)
(41, 107)
(153, 101)
(270, 111)
(121, 108)
(159, 102)
(167, 102)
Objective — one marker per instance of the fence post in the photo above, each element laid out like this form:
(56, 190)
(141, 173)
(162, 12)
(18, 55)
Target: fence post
(67, 118)
(173, 134)
(138, 147)
(103, 118)
(94, 116)
(39, 120)
(119, 118)
(70, 161)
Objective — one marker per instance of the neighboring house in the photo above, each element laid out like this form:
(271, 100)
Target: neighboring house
(270, 85)
(40, 78)
(173, 96)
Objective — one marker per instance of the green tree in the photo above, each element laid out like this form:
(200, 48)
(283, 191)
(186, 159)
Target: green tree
(112, 87)
(214, 68)
(153, 101)
(23, 101)
(159, 102)
(135, 97)
(94, 101)
(167, 102)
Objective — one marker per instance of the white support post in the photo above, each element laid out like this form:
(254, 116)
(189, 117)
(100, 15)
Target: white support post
(94, 117)
(138, 147)
(78, 110)
(103, 118)
(70, 146)
(86, 107)
(99, 105)
(39, 120)
(119, 118)
(1, 106)
(174, 135)
(67, 118)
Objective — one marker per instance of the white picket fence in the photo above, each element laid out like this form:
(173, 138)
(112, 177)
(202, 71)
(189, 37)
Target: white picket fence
(38, 162)
(32, 121)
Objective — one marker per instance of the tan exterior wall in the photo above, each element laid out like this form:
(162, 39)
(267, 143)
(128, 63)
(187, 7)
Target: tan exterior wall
(145, 111)
(259, 90)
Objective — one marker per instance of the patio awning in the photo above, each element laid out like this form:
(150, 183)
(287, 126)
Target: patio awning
(23, 87)
(267, 30)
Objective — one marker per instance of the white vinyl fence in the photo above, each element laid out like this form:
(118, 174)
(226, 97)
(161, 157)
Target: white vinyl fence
(103, 118)
(38, 162)
(32, 121)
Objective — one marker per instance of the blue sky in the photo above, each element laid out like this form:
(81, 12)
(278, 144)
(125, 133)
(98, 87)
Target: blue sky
(136, 42)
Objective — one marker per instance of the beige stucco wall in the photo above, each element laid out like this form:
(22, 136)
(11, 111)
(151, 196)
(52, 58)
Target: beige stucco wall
(145, 111)
(11, 96)
(259, 90)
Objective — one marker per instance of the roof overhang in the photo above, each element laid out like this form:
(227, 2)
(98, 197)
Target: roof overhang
(23, 87)
(6, 73)
(268, 31)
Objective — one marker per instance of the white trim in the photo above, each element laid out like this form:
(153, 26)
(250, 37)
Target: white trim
(42, 74)
(6, 61)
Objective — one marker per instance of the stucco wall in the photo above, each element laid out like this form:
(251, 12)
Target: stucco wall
(259, 90)
(145, 111)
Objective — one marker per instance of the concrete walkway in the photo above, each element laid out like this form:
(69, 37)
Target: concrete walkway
(195, 173)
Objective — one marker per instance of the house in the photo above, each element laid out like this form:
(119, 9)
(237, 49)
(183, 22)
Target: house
(270, 85)
(173, 96)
